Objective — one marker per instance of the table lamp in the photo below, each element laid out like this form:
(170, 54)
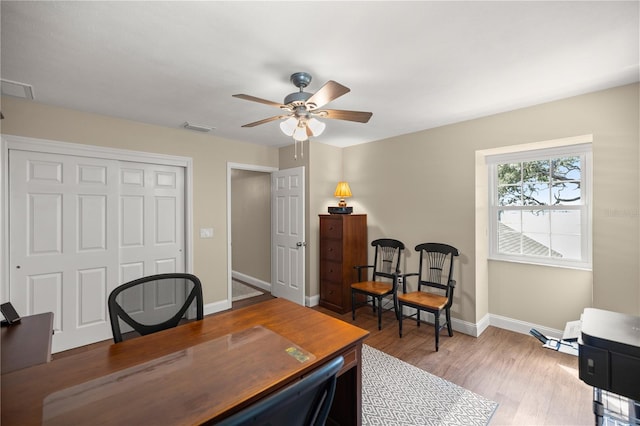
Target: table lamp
(342, 191)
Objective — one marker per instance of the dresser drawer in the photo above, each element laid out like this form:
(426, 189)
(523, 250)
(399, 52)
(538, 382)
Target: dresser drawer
(331, 271)
(331, 228)
(331, 249)
(331, 292)
(343, 244)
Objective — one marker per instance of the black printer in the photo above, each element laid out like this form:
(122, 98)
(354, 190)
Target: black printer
(609, 352)
(609, 360)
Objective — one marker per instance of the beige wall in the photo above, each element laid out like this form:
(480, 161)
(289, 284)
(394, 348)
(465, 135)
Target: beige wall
(543, 295)
(325, 171)
(210, 156)
(417, 187)
(422, 187)
(251, 223)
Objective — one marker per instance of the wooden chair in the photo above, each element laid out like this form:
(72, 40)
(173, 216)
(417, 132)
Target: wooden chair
(154, 303)
(304, 403)
(435, 286)
(384, 279)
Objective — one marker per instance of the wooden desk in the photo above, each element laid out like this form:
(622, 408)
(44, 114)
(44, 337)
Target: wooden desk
(27, 343)
(192, 374)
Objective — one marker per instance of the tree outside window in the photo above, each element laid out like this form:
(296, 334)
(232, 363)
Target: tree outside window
(539, 209)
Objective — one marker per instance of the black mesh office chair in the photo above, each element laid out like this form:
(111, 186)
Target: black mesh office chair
(154, 303)
(385, 268)
(304, 403)
(435, 286)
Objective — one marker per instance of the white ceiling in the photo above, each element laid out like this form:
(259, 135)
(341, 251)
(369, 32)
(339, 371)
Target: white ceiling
(415, 65)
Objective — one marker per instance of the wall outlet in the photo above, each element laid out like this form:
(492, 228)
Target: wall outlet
(206, 232)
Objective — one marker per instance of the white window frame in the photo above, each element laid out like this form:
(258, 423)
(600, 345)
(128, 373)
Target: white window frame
(582, 150)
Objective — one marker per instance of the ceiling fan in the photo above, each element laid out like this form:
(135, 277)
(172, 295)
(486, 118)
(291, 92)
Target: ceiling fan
(301, 108)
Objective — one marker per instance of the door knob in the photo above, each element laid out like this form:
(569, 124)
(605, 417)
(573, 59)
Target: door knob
(301, 244)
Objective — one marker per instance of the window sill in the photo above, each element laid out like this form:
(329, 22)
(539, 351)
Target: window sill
(565, 265)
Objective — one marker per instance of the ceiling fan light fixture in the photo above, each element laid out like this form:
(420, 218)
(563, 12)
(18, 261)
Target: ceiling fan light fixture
(300, 134)
(316, 126)
(302, 107)
(289, 125)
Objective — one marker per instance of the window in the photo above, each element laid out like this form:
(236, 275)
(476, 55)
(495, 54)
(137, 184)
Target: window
(539, 206)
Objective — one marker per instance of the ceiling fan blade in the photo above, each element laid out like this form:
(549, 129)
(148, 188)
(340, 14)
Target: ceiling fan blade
(330, 91)
(338, 114)
(266, 120)
(260, 100)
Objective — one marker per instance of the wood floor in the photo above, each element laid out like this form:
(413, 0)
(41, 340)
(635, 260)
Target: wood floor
(533, 386)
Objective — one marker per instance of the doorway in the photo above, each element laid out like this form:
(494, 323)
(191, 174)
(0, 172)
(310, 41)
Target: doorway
(249, 227)
(286, 234)
(285, 196)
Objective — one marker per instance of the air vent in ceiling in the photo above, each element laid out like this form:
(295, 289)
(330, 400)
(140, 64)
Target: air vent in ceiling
(19, 90)
(197, 127)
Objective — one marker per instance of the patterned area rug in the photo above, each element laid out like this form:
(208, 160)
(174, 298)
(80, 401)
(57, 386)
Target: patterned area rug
(241, 291)
(397, 393)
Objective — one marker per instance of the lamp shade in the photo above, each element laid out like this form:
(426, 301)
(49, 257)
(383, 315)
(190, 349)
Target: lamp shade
(316, 126)
(343, 190)
(300, 134)
(289, 125)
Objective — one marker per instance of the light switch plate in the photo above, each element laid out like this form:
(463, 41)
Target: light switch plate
(206, 232)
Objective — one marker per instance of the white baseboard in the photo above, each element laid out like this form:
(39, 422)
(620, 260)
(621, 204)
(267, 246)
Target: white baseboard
(312, 300)
(251, 280)
(458, 325)
(212, 308)
(465, 327)
(309, 300)
(522, 326)
(482, 325)
(478, 328)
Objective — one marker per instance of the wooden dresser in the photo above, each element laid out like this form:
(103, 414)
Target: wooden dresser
(343, 245)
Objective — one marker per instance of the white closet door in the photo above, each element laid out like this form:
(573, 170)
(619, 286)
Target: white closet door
(81, 226)
(151, 238)
(63, 246)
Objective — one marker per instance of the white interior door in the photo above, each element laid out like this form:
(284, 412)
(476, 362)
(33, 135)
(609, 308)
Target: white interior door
(288, 253)
(80, 226)
(63, 232)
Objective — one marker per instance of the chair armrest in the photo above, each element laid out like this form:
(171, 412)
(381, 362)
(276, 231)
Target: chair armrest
(409, 274)
(360, 268)
(404, 279)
